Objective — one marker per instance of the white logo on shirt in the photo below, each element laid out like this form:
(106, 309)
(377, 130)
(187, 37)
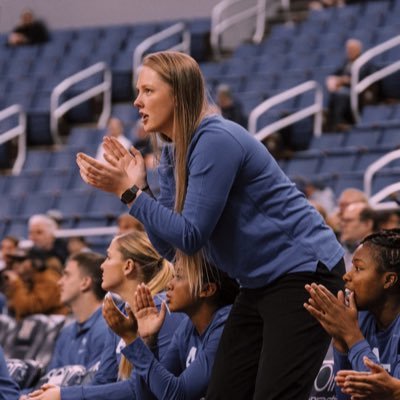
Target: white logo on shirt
(191, 356)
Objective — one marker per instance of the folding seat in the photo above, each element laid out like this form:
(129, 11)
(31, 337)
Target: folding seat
(9, 205)
(368, 139)
(22, 184)
(73, 203)
(17, 227)
(63, 159)
(327, 141)
(365, 159)
(84, 137)
(37, 160)
(374, 114)
(127, 113)
(347, 180)
(105, 204)
(37, 203)
(261, 83)
(53, 181)
(304, 165)
(384, 178)
(211, 69)
(390, 138)
(338, 161)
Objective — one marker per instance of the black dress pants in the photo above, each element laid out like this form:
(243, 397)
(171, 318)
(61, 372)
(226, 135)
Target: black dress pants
(271, 347)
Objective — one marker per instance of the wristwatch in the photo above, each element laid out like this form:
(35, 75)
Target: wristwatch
(129, 195)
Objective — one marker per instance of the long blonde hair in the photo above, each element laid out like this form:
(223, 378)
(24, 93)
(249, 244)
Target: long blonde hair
(182, 73)
(152, 269)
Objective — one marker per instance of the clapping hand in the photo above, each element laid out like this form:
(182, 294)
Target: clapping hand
(124, 326)
(122, 170)
(46, 392)
(376, 384)
(149, 319)
(336, 317)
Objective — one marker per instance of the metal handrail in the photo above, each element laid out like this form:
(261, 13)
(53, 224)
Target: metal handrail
(97, 231)
(220, 24)
(315, 109)
(183, 46)
(376, 166)
(58, 110)
(376, 200)
(357, 86)
(18, 131)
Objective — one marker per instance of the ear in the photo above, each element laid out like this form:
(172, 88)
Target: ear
(390, 280)
(129, 266)
(86, 283)
(208, 290)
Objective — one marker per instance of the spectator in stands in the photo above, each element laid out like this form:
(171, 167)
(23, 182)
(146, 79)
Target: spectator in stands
(126, 223)
(42, 231)
(223, 196)
(185, 369)
(357, 221)
(9, 390)
(82, 341)
(131, 260)
(377, 383)
(387, 219)
(347, 197)
(77, 244)
(339, 111)
(373, 287)
(230, 108)
(31, 286)
(115, 128)
(142, 141)
(321, 4)
(8, 246)
(29, 31)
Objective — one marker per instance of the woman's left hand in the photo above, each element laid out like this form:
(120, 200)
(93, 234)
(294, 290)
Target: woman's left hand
(123, 326)
(338, 319)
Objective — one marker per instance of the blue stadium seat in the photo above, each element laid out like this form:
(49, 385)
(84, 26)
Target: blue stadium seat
(337, 162)
(347, 180)
(73, 203)
(327, 141)
(362, 139)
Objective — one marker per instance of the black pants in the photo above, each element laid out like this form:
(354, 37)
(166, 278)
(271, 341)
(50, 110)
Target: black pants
(271, 347)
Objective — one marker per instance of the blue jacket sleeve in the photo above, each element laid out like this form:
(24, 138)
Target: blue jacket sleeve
(108, 369)
(165, 379)
(8, 388)
(117, 391)
(210, 179)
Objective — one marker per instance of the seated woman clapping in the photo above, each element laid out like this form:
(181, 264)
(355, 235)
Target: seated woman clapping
(374, 290)
(184, 370)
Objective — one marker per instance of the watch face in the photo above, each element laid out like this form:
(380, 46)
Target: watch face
(129, 195)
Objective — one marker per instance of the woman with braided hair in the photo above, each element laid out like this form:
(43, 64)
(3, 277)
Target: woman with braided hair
(373, 289)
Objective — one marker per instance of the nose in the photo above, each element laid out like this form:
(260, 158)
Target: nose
(137, 102)
(347, 276)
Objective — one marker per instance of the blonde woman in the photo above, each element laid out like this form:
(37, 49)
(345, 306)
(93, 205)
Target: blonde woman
(223, 196)
(131, 260)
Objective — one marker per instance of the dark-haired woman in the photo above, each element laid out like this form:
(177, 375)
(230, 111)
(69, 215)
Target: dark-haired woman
(185, 369)
(373, 287)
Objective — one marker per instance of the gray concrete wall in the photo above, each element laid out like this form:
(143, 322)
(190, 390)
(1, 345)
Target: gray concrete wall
(79, 13)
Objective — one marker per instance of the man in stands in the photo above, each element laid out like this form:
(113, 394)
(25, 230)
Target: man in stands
(29, 31)
(82, 341)
(357, 221)
(42, 230)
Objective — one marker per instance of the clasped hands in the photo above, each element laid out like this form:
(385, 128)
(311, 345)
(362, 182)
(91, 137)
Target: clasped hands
(122, 168)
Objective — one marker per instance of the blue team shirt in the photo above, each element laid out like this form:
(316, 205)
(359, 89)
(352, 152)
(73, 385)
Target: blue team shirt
(251, 219)
(185, 369)
(8, 388)
(382, 347)
(104, 385)
(80, 343)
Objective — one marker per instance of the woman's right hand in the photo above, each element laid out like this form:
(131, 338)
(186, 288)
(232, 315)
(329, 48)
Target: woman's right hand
(123, 326)
(149, 319)
(122, 170)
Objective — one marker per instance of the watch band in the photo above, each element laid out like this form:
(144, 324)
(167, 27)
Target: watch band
(129, 195)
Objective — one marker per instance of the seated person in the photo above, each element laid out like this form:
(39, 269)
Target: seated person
(185, 369)
(42, 232)
(29, 31)
(9, 390)
(82, 341)
(131, 260)
(230, 108)
(373, 287)
(115, 129)
(31, 286)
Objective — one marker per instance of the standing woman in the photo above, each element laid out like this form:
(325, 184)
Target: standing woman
(224, 197)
